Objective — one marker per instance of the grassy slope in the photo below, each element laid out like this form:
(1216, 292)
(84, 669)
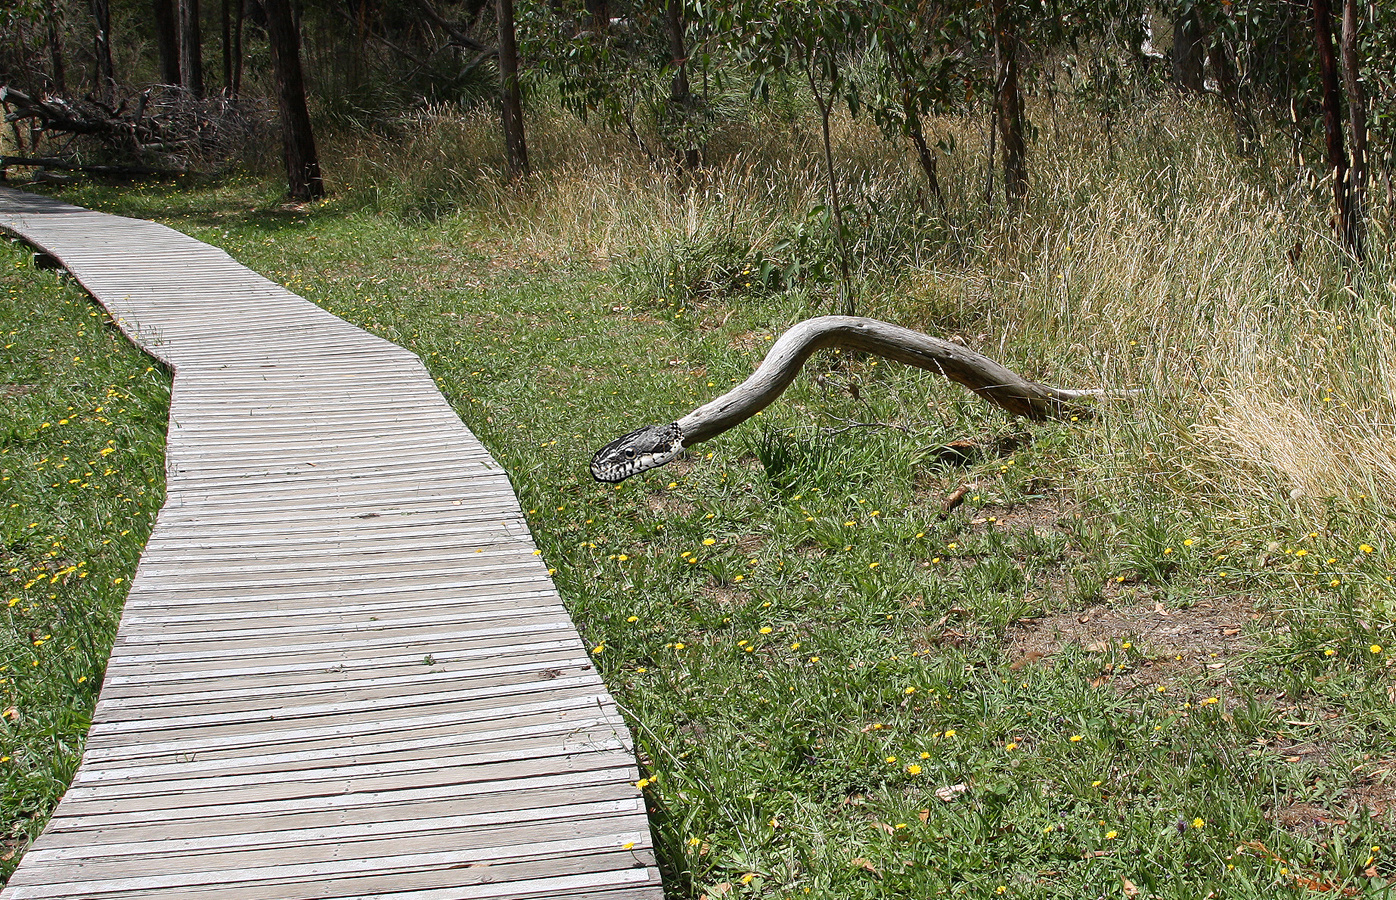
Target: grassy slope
(82, 421)
(1148, 647)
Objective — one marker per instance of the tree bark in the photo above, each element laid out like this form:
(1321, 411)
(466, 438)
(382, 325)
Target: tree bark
(235, 84)
(1009, 101)
(191, 59)
(511, 98)
(1188, 51)
(55, 49)
(1343, 219)
(1357, 120)
(297, 139)
(167, 40)
(911, 118)
(825, 106)
(101, 50)
(225, 18)
(680, 94)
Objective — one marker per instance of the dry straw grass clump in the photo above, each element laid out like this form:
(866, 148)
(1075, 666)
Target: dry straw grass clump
(1152, 258)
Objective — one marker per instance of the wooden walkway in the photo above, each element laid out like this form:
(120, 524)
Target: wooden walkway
(342, 670)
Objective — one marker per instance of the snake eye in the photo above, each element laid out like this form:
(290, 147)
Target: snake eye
(629, 453)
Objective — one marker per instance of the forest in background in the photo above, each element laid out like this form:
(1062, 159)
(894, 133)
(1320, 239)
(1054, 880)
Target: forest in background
(175, 85)
(1147, 653)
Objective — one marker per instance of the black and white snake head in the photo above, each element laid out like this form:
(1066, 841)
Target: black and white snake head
(639, 451)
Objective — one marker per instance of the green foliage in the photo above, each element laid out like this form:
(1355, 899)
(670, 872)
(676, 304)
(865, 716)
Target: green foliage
(81, 476)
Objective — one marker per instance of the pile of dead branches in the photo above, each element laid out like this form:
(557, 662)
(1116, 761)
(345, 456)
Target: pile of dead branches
(162, 130)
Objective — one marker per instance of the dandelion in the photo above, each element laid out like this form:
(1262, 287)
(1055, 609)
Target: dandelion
(1076, 738)
(765, 629)
(910, 690)
(1187, 542)
(891, 759)
(1011, 745)
(1367, 548)
(1198, 823)
(913, 769)
(599, 648)
(693, 842)
(949, 732)
(708, 542)
(1111, 835)
(1375, 648)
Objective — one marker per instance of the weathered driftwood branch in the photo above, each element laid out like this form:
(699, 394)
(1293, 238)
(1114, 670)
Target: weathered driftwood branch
(655, 445)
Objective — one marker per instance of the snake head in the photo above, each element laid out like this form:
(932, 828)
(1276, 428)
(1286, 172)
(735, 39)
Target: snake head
(639, 451)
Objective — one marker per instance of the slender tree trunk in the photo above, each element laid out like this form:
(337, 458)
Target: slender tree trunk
(1009, 101)
(235, 83)
(226, 21)
(511, 98)
(1357, 120)
(167, 40)
(55, 49)
(1333, 128)
(680, 95)
(836, 207)
(991, 158)
(912, 126)
(1188, 51)
(191, 58)
(297, 139)
(101, 49)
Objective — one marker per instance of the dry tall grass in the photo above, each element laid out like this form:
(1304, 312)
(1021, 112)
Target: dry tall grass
(1162, 262)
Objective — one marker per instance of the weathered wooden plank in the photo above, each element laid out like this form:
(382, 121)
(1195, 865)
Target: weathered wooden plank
(343, 670)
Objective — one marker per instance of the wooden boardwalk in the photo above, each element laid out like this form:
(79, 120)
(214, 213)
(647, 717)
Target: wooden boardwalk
(342, 670)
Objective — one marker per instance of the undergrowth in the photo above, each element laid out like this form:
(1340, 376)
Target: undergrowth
(1142, 651)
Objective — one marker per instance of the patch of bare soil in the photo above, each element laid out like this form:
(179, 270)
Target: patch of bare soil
(1376, 790)
(1169, 639)
(16, 390)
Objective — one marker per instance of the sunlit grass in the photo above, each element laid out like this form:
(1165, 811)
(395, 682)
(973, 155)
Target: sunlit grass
(835, 685)
(81, 475)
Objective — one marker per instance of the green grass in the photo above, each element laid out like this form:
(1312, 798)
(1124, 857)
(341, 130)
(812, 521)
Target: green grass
(1150, 647)
(81, 476)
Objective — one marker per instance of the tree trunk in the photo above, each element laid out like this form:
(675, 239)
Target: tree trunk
(297, 139)
(1188, 51)
(1009, 101)
(226, 21)
(191, 59)
(679, 93)
(911, 118)
(55, 49)
(1343, 219)
(101, 49)
(511, 98)
(1357, 120)
(167, 39)
(825, 107)
(235, 84)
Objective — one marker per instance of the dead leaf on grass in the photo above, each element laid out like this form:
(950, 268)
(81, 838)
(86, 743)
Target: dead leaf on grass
(950, 792)
(865, 865)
